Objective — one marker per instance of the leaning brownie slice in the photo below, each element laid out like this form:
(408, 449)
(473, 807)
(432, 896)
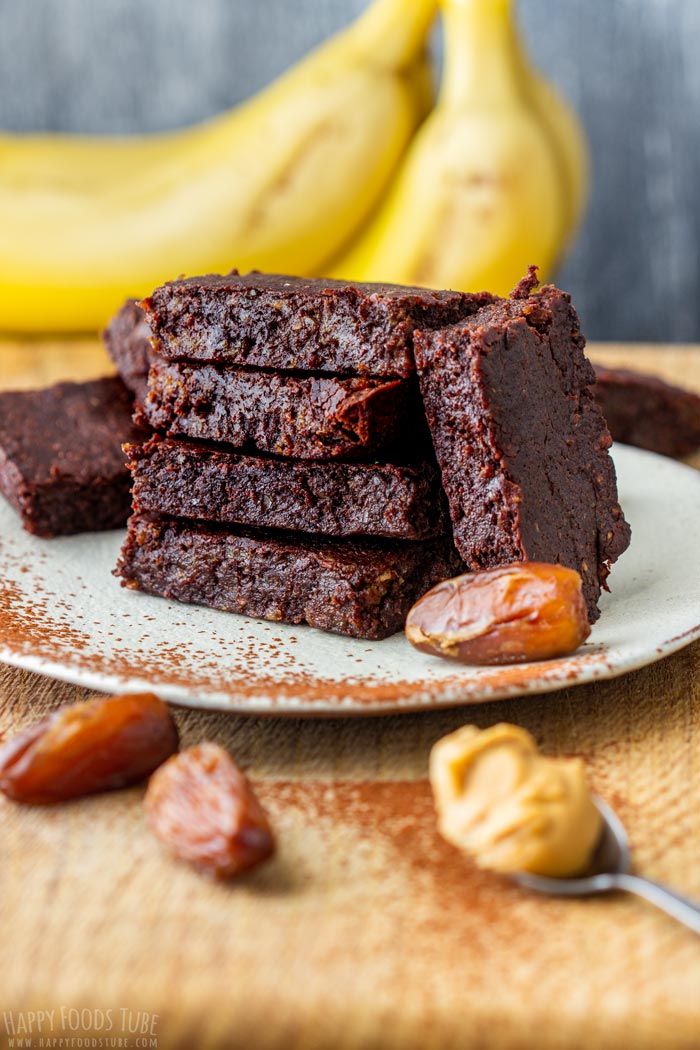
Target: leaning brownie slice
(307, 417)
(273, 321)
(127, 338)
(362, 589)
(180, 479)
(520, 439)
(61, 462)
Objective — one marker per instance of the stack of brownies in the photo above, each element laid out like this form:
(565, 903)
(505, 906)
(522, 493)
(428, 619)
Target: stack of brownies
(292, 474)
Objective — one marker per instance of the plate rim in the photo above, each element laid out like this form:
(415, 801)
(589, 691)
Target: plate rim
(445, 693)
(297, 707)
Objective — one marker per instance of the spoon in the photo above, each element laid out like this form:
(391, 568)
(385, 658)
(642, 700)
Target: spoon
(610, 870)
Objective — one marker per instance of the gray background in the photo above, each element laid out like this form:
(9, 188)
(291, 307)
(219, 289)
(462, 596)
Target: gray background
(631, 68)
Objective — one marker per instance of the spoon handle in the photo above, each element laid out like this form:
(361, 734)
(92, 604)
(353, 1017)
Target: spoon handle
(672, 903)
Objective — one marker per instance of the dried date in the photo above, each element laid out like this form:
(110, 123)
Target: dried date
(204, 810)
(88, 747)
(520, 612)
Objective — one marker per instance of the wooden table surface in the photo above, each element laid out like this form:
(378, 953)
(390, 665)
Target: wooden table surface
(366, 931)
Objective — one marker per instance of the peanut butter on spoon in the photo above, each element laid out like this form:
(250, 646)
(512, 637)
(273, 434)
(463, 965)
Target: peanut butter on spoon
(510, 807)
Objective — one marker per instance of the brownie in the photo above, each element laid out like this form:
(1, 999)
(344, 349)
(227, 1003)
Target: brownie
(61, 462)
(178, 479)
(273, 321)
(307, 417)
(127, 338)
(643, 410)
(520, 439)
(362, 589)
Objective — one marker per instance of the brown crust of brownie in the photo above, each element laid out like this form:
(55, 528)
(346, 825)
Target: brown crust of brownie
(274, 321)
(127, 338)
(521, 442)
(61, 463)
(305, 417)
(645, 411)
(179, 479)
(363, 590)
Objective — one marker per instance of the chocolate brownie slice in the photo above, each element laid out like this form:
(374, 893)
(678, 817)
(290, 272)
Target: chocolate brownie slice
(177, 479)
(359, 589)
(307, 417)
(273, 321)
(61, 461)
(128, 343)
(640, 409)
(643, 410)
(520, 439)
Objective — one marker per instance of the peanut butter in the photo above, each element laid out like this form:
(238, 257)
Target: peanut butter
(510, 807)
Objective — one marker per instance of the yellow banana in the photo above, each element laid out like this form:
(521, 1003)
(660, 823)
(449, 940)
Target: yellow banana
(280, 183)
(569, 139)
(565, 131)
(482, 191)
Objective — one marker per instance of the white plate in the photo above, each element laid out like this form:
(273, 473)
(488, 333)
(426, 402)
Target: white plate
(63, 614)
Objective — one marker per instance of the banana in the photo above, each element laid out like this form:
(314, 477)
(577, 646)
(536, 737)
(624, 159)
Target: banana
(566, 133)
(570, 140)
(280, 183)
(483, 191)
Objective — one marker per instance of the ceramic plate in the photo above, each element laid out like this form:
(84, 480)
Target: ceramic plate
(63, 614)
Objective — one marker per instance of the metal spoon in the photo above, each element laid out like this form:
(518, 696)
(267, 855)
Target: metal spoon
(610, 870)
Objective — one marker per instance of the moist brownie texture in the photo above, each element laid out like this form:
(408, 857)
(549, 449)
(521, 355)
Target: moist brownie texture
(640, 409)
(61, 463)
(307, 417)
(272, 321)
(362, 589)
(127, 338)
(521, 442)
(645, 411)
(178, 479)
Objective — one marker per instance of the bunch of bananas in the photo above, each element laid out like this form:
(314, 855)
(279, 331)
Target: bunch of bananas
(327, 171)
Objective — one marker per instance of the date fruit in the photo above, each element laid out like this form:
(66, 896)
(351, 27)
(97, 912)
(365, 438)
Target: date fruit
(513, 613)
(205, 811)
(94, 746)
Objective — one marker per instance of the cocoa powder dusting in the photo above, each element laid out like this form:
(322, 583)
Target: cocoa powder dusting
(273, 673)
(397, 819)
(28, 629)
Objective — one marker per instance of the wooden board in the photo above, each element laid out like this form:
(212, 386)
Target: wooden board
(367, 931)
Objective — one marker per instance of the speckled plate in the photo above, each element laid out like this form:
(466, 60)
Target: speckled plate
(63, 614)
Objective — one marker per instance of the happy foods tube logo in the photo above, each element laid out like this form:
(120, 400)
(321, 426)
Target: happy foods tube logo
(71, 1028)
